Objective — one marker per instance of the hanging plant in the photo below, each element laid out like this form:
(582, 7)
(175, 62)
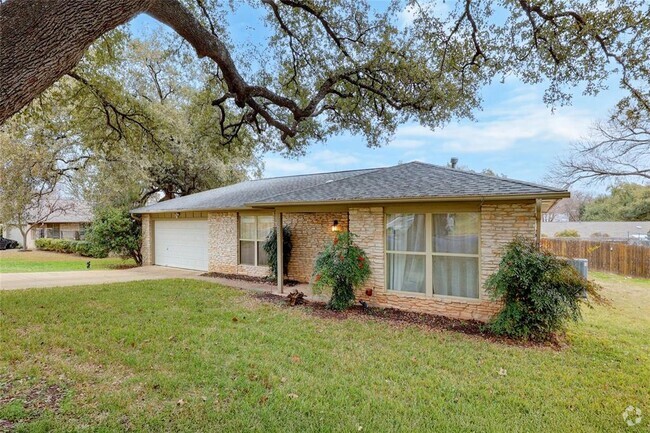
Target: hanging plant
(341, 267)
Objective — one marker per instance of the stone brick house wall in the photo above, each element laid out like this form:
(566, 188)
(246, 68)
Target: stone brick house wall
(223, 246)
(310, 232)
(499, 223)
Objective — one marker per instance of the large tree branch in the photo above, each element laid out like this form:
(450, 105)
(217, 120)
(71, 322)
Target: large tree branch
(42, 40)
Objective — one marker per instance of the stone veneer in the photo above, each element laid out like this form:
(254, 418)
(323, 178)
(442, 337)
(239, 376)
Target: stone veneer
(147, 240)
(310, 232)
(500, 223)
(223, 246)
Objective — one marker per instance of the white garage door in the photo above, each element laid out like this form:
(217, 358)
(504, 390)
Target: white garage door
(181, 244)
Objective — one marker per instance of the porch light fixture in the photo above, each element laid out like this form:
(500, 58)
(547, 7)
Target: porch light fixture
(335, 226)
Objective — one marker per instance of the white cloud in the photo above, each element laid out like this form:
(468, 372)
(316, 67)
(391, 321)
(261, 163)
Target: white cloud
(438, 8)
(329, 157)
(406, 143)
(516, 121)
(279, 166)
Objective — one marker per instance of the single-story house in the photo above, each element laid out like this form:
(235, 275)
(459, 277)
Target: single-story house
(432, 234)
(69, 222)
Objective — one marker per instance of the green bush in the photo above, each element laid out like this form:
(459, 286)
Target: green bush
(56, 245)
(114, 230)
(68, 246)
(569, 233)
(270, 246)
(342, 267)
(88, 249)
(541, 292)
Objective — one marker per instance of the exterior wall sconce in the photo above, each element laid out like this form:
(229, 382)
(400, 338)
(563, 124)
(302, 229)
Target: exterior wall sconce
(335, 226)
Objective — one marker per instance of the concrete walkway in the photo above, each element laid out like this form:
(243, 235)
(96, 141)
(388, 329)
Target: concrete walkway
(27, 280)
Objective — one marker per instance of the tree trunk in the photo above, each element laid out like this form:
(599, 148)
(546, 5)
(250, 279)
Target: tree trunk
(24, 235)
(42, 40)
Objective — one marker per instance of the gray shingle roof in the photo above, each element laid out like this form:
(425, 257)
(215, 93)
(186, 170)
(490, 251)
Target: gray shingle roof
(238, 195)
(70, 211)
(414, 180)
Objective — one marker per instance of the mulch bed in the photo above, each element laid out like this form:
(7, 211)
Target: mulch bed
(260, 280)
(397, 317)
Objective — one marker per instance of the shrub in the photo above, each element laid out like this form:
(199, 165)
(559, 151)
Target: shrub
(114, 230)
(270, 246)
(56, 245)
(342, 267)
(88, 249)
(68, 246)
(541, 292)
(569, 233)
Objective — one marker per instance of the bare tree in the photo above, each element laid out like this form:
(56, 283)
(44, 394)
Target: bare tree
(29, 183)
(336, 64)
(40, 209)
(617, 149)
(570, 209)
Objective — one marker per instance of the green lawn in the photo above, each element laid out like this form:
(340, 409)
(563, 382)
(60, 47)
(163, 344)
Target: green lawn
(45, 261)
(179, 355)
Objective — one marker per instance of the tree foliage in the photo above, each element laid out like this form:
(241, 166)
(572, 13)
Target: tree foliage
(625, 202)
(137, 111)
(341, 267)
(568, 233)
(29, 181)
(347, 65)
(116, 231)
(540, 292)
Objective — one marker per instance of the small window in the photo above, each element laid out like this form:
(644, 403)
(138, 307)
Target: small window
(406, 252)
(253, 231)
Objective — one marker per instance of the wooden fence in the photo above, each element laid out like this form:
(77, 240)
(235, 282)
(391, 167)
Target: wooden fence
(616, 257)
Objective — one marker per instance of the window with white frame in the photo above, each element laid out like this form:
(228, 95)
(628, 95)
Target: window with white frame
(253, 230)
(433, 253)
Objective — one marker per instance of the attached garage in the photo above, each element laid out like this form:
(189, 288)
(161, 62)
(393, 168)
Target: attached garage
(181, 243)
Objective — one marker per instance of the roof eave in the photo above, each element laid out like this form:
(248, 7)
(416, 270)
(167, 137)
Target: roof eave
(549, 195)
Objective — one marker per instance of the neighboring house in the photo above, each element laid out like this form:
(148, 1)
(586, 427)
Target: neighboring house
(64, 224)
(432, 234)
(613, 230)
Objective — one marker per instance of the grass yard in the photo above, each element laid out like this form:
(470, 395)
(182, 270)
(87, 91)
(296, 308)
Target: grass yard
(179, 355)
(46, 261)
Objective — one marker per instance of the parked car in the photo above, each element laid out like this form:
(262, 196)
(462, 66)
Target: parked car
(7, 244)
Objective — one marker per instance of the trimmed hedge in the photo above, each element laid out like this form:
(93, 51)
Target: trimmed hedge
(82, 248)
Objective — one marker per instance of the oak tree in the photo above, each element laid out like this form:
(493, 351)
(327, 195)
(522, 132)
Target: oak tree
(341, 65)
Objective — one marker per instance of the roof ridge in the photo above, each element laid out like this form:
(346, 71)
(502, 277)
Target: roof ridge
(364, 172)
(311, 174)
(507, 179)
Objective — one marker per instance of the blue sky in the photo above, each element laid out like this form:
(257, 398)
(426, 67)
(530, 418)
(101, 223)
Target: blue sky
(514, 133)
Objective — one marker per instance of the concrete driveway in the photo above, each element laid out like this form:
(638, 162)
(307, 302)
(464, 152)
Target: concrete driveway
(26, 280)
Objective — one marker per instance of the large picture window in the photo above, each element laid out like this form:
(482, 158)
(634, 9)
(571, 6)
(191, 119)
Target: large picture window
(433, 253)
(252, 235)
